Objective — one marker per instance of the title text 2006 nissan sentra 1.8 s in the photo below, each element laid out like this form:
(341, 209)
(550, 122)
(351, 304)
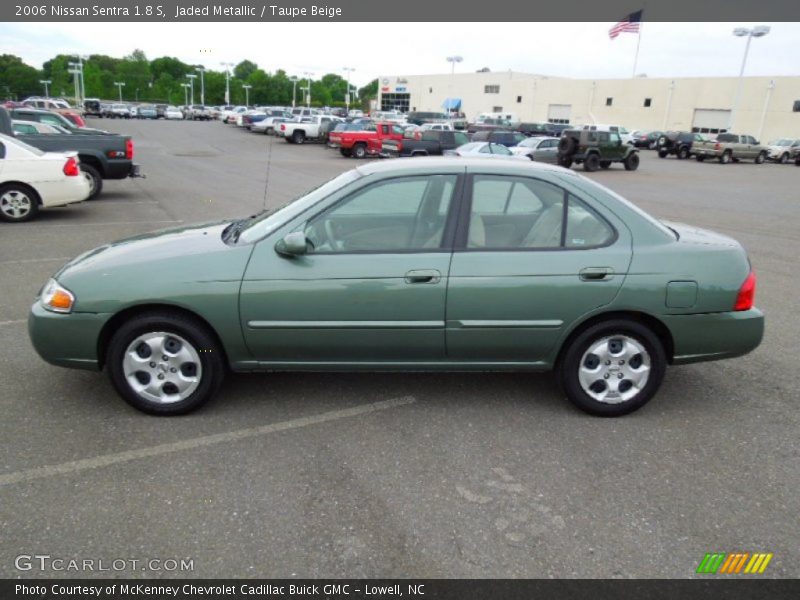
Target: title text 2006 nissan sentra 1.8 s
(437, 264)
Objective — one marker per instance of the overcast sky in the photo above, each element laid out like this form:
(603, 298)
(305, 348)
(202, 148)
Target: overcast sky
(667, 49)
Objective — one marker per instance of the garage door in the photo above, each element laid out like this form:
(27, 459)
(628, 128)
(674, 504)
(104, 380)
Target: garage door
(559, 113)
(710, 120)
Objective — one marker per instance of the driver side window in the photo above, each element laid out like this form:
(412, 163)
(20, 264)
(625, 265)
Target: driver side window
(395, 215)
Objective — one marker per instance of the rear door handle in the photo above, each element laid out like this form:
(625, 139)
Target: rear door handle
(423, 276)
(595, 273)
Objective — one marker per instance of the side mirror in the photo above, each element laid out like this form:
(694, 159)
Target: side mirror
(292, 244)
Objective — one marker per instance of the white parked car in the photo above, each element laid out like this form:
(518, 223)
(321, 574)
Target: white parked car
(31, 179)
(173, 112)
(484, 150)
(229, 115)
(437, 127)
(782, 150)
(268, 125)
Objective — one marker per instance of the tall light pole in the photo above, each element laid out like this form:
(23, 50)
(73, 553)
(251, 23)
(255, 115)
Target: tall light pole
(453, 60)
(185, 87)
(45, 83)
(73, 68)
(202, 70)
(82, 85)
(293, 79)
(347, 70)
(191, 77)
(308, 75)
(120, 85)
(247, 87)
(227, 66)
(757, 31)
(770, 87)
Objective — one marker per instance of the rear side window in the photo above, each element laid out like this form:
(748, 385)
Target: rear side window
(584, 227)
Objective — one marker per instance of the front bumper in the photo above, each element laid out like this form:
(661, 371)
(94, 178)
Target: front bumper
(66, 340)
(712, 336)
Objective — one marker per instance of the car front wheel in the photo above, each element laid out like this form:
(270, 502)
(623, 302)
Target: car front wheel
(165, 363)
(18, 203)
(613, 368)
(762, 156)
(591, 163)
(631, 162)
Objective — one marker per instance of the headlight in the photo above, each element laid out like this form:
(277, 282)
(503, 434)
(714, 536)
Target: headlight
(57, 298)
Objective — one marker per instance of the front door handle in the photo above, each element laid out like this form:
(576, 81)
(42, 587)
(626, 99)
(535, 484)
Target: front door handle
(423, 276)
(596, 273)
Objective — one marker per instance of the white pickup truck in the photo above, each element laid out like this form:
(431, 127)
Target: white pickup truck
(309, 128)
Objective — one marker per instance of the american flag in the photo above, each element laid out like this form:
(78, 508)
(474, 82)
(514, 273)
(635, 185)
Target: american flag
(629, 24)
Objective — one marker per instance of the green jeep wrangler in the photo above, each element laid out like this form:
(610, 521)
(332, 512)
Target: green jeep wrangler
(595, 149)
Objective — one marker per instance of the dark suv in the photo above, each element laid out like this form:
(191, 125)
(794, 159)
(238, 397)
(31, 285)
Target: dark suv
(677, 143)
(506, 138)
(595, 149)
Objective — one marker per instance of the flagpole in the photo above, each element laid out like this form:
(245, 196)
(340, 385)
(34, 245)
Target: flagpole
(638, 41)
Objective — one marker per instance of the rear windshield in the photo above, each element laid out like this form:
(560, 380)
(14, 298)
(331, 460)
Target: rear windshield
(727, 137)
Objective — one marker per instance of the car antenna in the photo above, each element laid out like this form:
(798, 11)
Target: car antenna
(269, 164)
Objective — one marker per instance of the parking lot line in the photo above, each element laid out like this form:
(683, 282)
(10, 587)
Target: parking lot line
(33, 260)
(102, 224)
(76, 466)
(13, 322)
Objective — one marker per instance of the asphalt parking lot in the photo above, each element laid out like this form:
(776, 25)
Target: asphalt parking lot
(397, 475)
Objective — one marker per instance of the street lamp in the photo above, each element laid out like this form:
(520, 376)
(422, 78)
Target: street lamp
(185, 87)
(82, 88)
(308, 75)
(202, 70)
(453, 60)
(120, 85)
(191, 77)
(45, 83)
(227, 66)
(247, 87)
(757, 31)
(293, 79)
(348, 70)
(76, 78)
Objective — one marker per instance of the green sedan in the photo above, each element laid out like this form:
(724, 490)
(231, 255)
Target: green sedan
(431, 264)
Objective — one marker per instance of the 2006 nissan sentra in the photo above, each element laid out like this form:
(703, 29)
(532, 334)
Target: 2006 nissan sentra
(428, 264)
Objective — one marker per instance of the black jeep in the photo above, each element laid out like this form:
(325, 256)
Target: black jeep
(595, 149)
(677, 143)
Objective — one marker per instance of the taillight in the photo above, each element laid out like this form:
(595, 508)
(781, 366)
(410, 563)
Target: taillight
(717, 146)
(747, 293)
(129, 149)
(71, 167)
(283, 127)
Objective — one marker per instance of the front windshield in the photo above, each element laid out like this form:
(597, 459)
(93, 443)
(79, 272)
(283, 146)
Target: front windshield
(780, 143)
(272, 219)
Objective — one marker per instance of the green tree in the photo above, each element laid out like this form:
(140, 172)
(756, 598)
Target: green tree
(244, 69)
(18, 80)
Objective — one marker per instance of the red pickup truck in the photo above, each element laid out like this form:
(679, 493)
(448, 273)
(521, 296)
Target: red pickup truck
(359, 144)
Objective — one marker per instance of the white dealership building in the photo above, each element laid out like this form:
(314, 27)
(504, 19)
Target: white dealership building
(767, 107)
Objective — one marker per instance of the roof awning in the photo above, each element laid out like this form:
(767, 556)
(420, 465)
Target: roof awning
(451, 104)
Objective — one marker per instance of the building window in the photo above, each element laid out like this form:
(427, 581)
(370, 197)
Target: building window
(491, 89)
(430, 90)
(497, 109)
(559, 121)
(708, 130)
(609, 101)
(519, 99)
(796, 107)
(648, 102)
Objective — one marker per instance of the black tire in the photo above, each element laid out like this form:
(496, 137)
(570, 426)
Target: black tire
(346, 152)
(573, 359)
(784, 158)
(591, 163)
(212, 364)
(94, 178)
(360, 151)
(662, 154)
(725, 158)
(699, 158)
(299, 136)
(18, 203)
(683, 153)
(761, 158)
(797, 161)
(605, 164)
(565, 161)
(566, 145)
(631, 161)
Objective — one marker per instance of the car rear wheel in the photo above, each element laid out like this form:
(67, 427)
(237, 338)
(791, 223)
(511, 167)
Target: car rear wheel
(605, 164)
(165, 363)
(591, 163)
(298, 137)
(762, 156)
(683, 153)
(565, 161)
(631, 162)
(359, 151)
(699, 158)
(662, 154)
(613, 368)
(18, 203)
(726, 157)
(91, 175)
(784, 158)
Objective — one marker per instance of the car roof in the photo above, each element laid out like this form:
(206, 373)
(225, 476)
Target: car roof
(454, 163)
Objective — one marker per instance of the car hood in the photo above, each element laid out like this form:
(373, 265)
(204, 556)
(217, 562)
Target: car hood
(172, 266)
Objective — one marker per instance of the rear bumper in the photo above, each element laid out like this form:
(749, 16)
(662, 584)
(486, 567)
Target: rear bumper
(704, 152)
(66, 340)
(122, 169)
(713, 336)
